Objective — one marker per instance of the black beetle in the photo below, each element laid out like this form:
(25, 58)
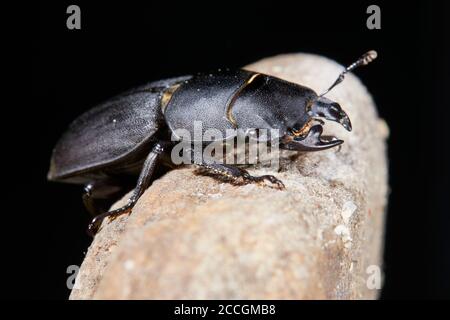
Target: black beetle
(128, 135)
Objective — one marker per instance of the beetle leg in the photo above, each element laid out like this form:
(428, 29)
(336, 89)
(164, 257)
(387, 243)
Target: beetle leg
(237, 176)
(96, 192)
(142, 184)
(314, 141)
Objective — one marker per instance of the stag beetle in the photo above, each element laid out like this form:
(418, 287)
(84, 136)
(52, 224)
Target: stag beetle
(128, 135)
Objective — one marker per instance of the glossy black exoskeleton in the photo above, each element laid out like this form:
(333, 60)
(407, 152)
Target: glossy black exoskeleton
(129, 135)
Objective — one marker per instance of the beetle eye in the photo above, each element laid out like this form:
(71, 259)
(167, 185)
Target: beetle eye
(335, 110)
(335, 107)
(320, 114)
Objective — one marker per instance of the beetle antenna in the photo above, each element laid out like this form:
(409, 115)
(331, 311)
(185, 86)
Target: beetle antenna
(365, 59)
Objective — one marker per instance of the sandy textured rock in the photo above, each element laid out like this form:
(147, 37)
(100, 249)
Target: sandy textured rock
(191, 236)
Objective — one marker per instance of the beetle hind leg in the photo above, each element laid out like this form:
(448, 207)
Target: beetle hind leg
(142, 184)
(237, 176)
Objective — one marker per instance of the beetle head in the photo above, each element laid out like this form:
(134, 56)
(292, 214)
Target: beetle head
(330, 110)
(308, 137)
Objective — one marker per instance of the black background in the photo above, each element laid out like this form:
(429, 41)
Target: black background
(123, 44)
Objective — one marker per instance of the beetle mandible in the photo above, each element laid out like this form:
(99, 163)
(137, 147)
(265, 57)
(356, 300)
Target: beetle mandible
(128, 135)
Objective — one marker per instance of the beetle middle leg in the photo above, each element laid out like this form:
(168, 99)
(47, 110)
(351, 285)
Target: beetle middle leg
(142, 184)
(237, 176)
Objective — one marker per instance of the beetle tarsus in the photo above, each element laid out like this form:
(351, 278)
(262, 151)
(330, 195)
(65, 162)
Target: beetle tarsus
(95, 224)
(276, 183)
(237, 176)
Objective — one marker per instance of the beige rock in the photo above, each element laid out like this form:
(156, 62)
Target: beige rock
(193, 237)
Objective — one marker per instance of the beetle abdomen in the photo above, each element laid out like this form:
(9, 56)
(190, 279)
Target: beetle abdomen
(109, 132)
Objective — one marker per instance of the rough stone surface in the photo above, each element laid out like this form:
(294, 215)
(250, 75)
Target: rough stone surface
(192, 237)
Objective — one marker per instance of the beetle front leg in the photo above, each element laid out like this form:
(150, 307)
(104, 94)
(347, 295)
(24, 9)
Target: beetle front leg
(142, 184)
(237, 176)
